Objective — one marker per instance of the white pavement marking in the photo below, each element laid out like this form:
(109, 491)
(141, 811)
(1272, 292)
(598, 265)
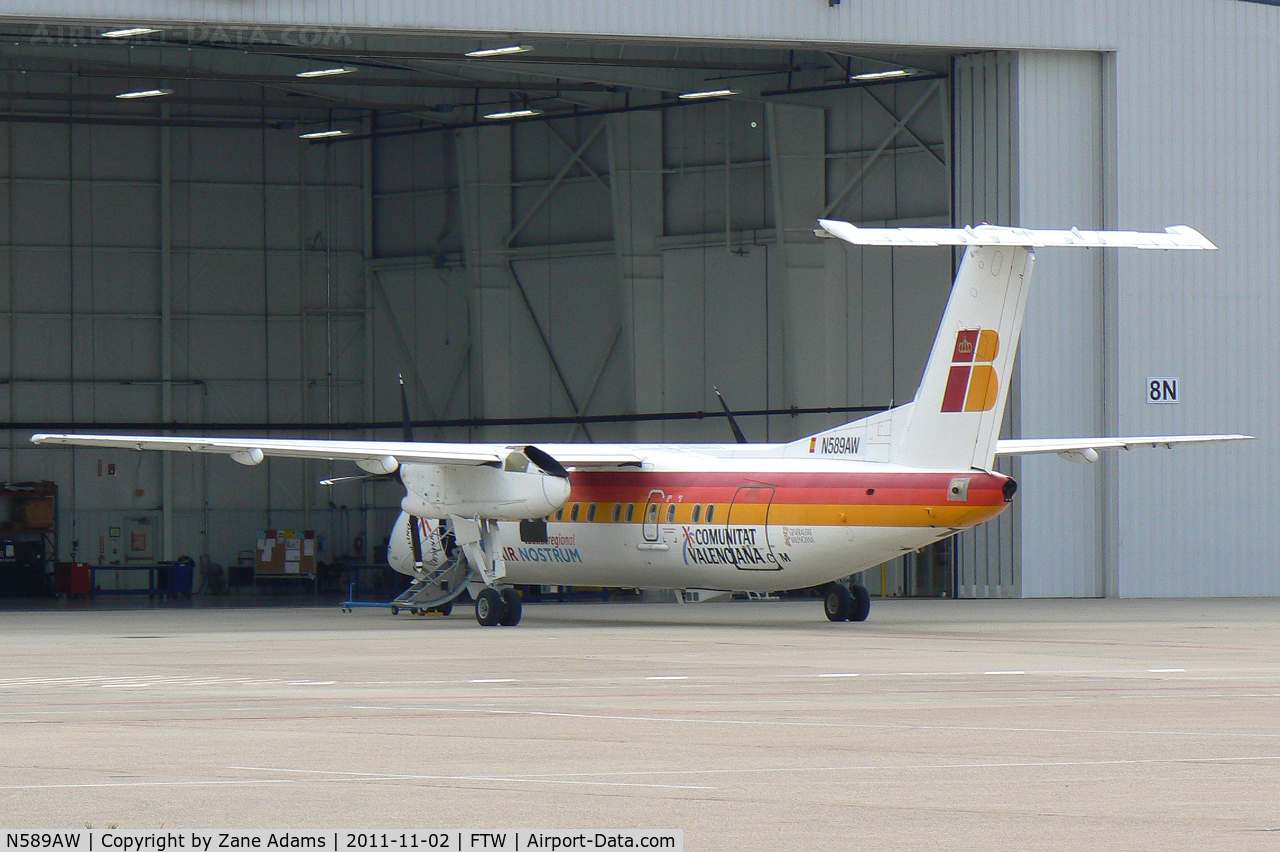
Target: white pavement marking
(839, 674)
(766, 770)
(857, 725)
(667, 677)
(523, 779)
(1157, 671)
(1004, 673)
(235, 782)
(492, 680)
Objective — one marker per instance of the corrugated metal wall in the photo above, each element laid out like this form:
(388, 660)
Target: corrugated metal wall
(986, 189)
(266, 298)
(1196, 144)
(1060, 164)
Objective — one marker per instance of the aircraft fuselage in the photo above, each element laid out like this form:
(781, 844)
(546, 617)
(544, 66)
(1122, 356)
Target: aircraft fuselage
(744, 525)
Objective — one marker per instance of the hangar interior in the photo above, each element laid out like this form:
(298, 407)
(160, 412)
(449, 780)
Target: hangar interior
(186, 260)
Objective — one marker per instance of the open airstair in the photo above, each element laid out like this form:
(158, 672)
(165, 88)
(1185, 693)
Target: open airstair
(437, 588)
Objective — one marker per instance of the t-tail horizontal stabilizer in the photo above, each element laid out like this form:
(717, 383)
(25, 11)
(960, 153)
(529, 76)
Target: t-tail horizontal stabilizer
(954, 421)
(1173, 237)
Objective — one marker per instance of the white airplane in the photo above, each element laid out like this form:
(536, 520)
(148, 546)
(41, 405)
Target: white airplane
(728, 517)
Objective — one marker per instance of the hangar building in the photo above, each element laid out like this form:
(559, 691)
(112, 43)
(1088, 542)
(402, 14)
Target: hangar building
(256, 215)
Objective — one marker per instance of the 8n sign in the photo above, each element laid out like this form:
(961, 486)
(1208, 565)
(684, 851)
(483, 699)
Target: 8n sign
(1162, 389)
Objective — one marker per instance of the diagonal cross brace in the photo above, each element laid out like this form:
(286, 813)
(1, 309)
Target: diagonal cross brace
(576, 157)
(880, 149)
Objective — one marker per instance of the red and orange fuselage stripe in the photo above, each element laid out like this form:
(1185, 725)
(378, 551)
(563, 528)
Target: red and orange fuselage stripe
(791, 498)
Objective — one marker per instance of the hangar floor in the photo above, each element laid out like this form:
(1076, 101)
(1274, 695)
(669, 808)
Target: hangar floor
(956, 725)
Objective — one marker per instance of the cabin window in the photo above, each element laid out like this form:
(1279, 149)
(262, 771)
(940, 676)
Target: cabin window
(573, 513)
(711, 512)
(652, 514)
(631, 512)
(671, 513)
(591, 513)
(560, 514)
(617, 512)
(697, 512)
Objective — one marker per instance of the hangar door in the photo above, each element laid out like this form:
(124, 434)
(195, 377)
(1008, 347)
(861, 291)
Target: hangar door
(1029, 144)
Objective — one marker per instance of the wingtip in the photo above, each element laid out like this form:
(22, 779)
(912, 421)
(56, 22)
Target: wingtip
(1190, 233)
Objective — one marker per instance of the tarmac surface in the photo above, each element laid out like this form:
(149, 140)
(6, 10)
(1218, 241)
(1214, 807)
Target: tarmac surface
(949, 725)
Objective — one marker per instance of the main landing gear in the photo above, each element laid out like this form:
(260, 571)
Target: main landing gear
(842, 603)
(495, 606)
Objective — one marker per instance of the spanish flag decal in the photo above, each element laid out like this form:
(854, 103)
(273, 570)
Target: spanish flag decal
(972, 384)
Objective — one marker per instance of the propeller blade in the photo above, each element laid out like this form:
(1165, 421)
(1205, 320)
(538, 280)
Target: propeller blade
(733, 423)
(544, 460)
(415, 538)
(415, 532)
(404, 408)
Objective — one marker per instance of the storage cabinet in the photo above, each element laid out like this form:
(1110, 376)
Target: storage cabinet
(28, 537)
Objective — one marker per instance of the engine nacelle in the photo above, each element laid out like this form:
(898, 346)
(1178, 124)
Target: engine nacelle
(435, 548)
(516, 491)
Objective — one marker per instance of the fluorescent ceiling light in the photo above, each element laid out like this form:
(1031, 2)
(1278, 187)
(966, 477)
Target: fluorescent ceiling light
(322, 134)
(498, 51)
(515, 113)
(714, 93)
(130, 32)
(883, 75)
(326, 72)
(145, 93)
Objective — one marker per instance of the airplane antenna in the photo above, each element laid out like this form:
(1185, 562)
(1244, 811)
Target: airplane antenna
(733, 423)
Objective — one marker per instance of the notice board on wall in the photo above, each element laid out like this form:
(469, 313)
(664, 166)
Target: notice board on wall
(282, 552)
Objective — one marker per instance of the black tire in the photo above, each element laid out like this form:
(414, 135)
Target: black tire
(861, 604)
(514, 608)
(395, 610)
(445, 609)
(837, 603)
(490, 607)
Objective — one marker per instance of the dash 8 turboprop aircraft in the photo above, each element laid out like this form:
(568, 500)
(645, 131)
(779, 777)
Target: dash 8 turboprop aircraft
(728, 517)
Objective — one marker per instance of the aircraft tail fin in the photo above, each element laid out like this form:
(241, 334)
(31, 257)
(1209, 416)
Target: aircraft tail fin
(954, 420)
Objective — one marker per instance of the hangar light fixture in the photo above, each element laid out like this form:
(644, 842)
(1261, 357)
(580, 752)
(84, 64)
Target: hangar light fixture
(489, 52)
(130, 32)
(323, 134)
(713, 93)
(325, 72)
(883, 75)
(144, 93)
(515, 113)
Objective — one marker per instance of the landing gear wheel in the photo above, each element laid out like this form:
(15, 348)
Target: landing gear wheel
(514, 607)
(837, 602)
(490, 607)
(445, 609)
(861, 603)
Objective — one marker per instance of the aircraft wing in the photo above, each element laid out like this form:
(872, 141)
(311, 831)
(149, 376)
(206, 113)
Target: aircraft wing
(373, 456)
(1079, 449)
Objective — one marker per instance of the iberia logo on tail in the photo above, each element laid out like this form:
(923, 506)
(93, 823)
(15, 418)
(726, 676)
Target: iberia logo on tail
(972, 384)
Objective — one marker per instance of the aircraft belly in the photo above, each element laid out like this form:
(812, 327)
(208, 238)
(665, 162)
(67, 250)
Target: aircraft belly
(750, 558)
